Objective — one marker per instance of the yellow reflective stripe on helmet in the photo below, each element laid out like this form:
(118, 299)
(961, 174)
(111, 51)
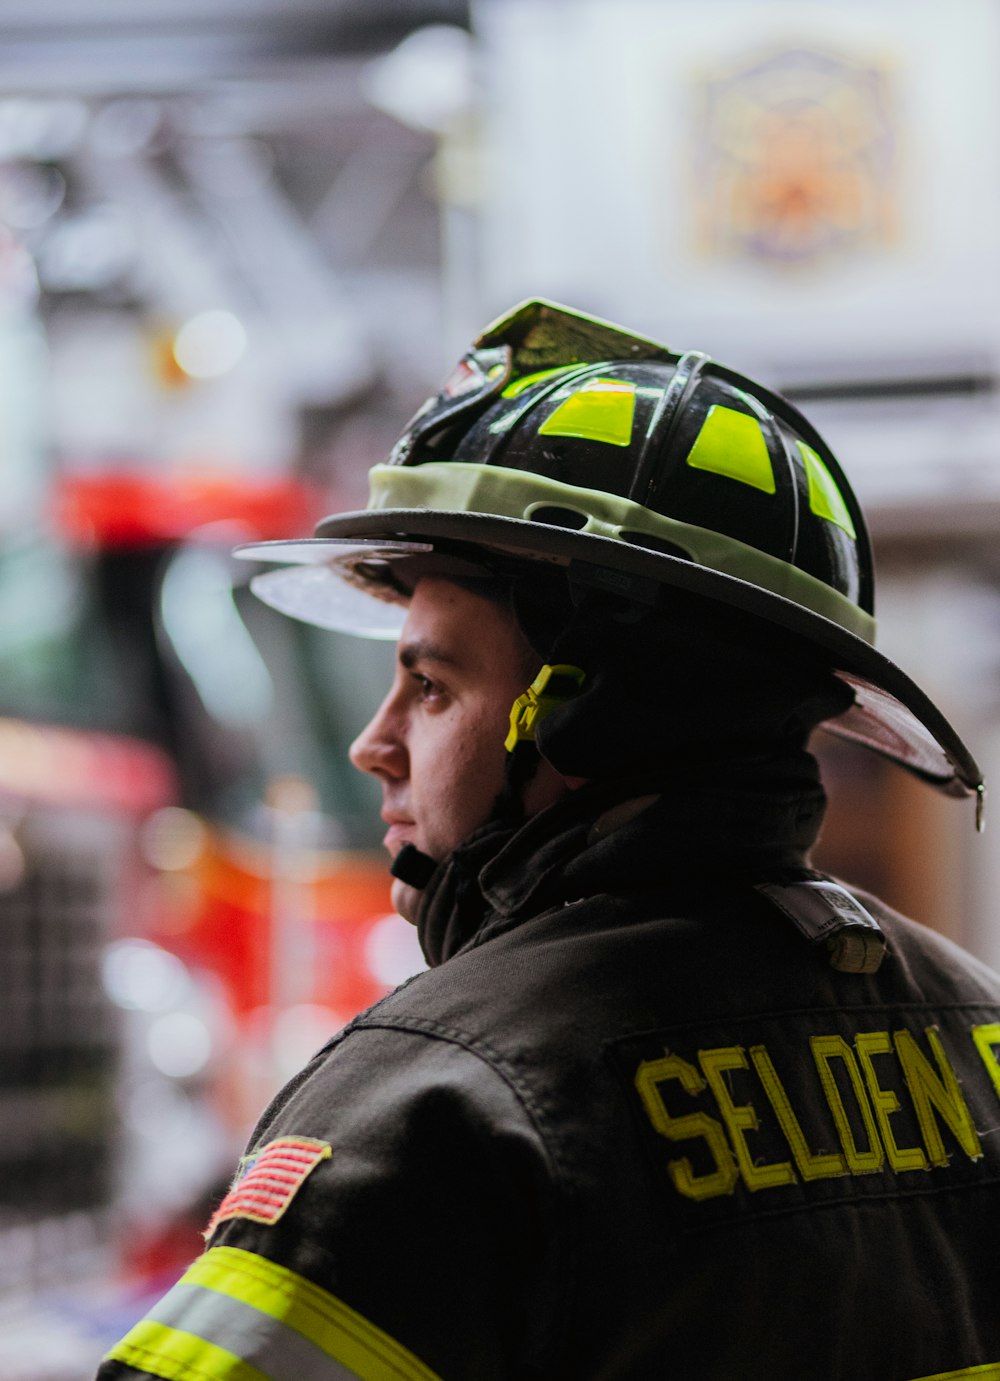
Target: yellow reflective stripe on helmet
(602, 410)
(272, 1321)
(517, 386)
(463, 487)
(179, 1356)
(731, 443)
(989, 1372)
(825, 499)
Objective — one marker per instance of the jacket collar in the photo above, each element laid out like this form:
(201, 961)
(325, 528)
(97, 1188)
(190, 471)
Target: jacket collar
(752, 820)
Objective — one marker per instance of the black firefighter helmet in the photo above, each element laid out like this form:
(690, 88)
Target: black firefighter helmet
(567, 441)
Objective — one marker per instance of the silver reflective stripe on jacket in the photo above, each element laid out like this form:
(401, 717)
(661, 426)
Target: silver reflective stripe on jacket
(235, 1316)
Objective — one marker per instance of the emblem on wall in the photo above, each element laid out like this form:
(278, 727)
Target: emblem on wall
(795, 158)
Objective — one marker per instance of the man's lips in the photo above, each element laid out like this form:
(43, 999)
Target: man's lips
(397, 834)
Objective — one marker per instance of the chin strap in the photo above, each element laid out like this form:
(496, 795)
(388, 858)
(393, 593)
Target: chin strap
(552, 687)
(413, 867)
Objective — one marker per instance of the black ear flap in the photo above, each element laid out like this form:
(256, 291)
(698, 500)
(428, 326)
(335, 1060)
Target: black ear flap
(693, 685)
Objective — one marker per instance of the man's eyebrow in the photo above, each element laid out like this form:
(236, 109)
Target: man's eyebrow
(423, 650)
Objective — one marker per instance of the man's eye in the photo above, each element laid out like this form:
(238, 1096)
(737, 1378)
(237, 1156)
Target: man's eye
(425, 685)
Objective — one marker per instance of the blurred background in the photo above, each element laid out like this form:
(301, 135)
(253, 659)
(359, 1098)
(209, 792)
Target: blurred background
(240, 241)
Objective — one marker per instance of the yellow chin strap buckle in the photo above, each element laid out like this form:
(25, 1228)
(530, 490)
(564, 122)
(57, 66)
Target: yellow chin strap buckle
(552, 687)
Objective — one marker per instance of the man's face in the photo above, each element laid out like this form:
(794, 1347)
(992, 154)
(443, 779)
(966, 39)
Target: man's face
(436, 741)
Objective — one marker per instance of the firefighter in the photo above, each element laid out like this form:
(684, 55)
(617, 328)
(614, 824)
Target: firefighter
(668, 1102)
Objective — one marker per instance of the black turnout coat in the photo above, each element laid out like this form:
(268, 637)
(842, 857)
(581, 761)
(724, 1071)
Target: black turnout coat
(632, 1124)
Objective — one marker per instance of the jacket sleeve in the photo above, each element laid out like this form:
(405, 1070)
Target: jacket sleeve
(395, 1218)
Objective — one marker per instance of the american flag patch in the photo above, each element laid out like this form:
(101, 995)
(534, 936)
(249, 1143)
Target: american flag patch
(268, 1180)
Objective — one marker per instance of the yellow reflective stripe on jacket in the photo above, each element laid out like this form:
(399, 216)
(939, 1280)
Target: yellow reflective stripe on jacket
(246, 1334)
(177, 1356)
(251, 1313)
(989, 1372)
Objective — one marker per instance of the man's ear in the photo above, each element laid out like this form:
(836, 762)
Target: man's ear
(547, 786)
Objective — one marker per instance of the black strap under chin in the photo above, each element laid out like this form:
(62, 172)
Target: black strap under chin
(413, 867)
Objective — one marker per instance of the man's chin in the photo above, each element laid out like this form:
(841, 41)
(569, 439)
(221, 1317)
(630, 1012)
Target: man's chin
(405, 899)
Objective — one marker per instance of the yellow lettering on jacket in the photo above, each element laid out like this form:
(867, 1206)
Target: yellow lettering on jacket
(986, 1037)
(885, 1102)
(938, 1089)
(862, 1092)
(825, 1049)
(811, 1166)
(721, 1180)
(740, 1118)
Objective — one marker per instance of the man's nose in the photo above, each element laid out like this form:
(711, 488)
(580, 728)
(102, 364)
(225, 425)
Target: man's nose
(379, 749)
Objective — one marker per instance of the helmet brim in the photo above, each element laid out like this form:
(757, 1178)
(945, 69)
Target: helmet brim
(891, 716)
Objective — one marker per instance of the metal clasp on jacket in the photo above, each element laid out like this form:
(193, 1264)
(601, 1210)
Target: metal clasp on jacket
(827, 914)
